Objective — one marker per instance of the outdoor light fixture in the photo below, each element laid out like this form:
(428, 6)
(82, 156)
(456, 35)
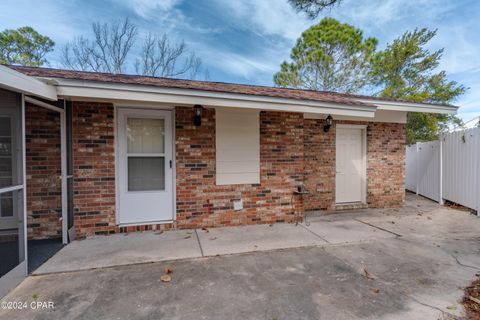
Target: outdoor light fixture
(197, 119)
(328, 123)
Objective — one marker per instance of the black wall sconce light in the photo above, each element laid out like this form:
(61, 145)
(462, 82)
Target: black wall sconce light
(197, 119)
(328, 123)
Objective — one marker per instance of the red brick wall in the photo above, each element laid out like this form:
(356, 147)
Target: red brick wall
(43, 167)
(93, 168)
(292, 151)
(385, 164)
(319, 165)
(201, 203)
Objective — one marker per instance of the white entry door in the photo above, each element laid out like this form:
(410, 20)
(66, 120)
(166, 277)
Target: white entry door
(145, 156)
(350, 165)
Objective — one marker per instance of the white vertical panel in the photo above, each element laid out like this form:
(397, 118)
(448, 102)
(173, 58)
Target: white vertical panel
(429, 169)
(460, 165)
(411, 168)
(461, 171)
(237, 137)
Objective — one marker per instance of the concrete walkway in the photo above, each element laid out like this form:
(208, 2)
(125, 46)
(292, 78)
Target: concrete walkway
(147, 247)
(408, 263)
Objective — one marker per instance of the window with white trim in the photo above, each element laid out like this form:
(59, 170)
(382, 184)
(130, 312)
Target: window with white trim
(237, 139)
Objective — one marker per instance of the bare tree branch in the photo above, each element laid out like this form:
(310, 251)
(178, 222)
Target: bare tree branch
(110, 47)
(162, 58)
(107, 52)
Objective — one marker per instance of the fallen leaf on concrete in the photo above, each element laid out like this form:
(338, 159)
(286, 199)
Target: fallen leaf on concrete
(429, 218)
(407, 290)
(367, 274)
(477, 274)
(270, 225)
(474, 299)
(392, 222)
(205, 229)
(213, 238)
(159, 232)
(255, 246)
(452, 307)
(375, 290)
(166, 278)
(168, 269)
(186, 237)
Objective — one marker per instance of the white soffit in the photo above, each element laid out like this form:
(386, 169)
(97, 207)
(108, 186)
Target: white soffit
(410, 106)
(380, 116)
(19, 82)
(78, 89)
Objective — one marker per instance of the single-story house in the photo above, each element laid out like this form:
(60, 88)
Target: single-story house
(85, 154)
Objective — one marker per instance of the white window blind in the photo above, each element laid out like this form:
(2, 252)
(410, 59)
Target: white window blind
(237, 146)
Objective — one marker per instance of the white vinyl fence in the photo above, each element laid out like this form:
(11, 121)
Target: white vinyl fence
(446, 169)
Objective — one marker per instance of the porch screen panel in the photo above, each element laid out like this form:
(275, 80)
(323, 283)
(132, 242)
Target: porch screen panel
(12, 233)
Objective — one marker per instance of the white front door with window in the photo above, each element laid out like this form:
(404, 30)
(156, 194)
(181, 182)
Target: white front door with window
(145, 160)
(350, 164)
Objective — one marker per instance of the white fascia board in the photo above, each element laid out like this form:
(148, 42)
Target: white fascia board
(78, 89)
(411, 106)
(19, 82)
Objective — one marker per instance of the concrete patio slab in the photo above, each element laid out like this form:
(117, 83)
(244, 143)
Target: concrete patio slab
(123, 249)
(419, 275)
(438, 222)
(242, 239)
(298, 283)
(346, 231)
(426, 273)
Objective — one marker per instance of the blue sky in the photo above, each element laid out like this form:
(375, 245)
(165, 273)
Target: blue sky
(245, 41)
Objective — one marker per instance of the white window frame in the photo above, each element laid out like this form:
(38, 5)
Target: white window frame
(144, 155)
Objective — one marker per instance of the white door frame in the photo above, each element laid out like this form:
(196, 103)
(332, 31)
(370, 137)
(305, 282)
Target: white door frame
(363, 128)
(63, 162)
(139, 107)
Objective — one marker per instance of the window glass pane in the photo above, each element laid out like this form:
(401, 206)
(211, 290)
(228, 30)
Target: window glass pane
(5, 182)
(6, 205)
(5, 127)
(146, 173)
(5, 166)
(5, 146)
(145, 135)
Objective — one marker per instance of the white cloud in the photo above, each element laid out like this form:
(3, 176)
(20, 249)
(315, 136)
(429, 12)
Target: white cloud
(246, 67)
(266, 17)
(147, 8)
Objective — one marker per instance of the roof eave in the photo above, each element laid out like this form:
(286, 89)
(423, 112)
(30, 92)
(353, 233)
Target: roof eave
(411, 106)
(19, 82)
(78, 89)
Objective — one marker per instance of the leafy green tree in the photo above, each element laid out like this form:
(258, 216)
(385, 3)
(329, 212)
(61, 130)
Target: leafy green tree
(329, 56)
(24, 46)
(312, 7)
(407, 70)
